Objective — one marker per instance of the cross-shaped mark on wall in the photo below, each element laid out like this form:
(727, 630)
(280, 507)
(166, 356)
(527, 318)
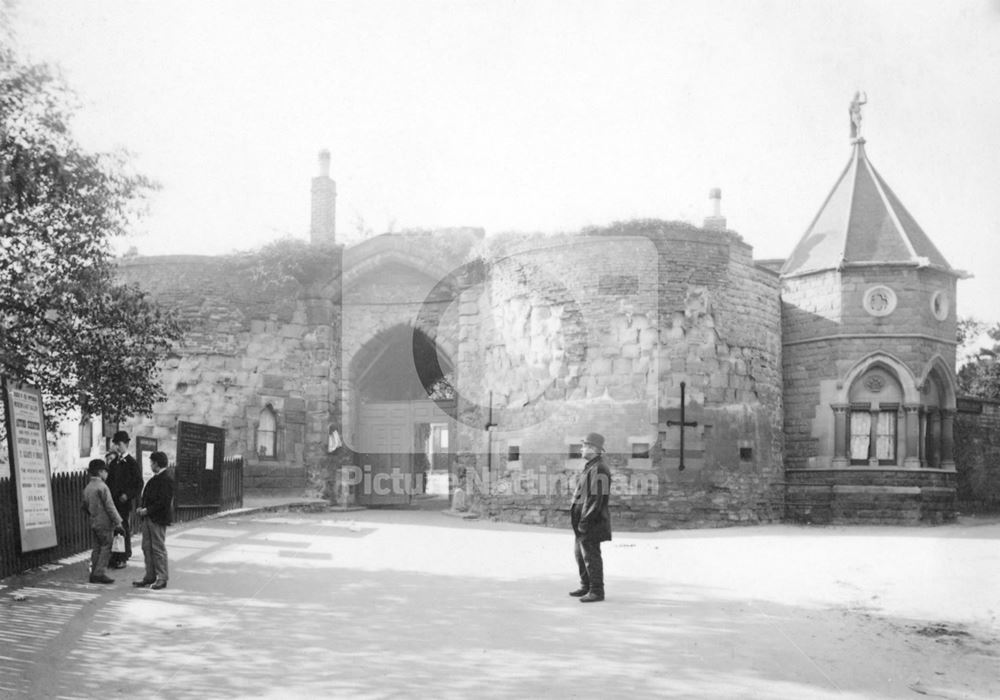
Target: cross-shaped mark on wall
(682, 423)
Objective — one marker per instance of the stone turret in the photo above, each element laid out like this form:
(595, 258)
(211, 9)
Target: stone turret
(868, 335)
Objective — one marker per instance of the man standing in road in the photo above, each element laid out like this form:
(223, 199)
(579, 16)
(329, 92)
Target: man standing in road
(125, 482)
(590, 516)
(155, 510)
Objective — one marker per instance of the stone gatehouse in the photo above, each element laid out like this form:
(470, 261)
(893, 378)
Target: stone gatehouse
(819, 388)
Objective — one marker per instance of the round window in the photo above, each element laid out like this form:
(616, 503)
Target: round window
(940, 305)
(880, 300)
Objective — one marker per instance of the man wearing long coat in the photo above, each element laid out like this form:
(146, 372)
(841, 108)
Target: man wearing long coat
(590, 516)
(125, 482)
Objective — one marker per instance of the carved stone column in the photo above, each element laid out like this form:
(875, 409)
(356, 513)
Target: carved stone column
(947, 439)
(934, 438)
(873, 436)
(911, 455)
(839, 435)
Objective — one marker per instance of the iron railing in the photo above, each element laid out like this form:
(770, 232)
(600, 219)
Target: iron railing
(73, 530)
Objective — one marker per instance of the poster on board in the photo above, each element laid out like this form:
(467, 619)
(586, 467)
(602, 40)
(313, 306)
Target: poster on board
(29, 465)
(145, 446)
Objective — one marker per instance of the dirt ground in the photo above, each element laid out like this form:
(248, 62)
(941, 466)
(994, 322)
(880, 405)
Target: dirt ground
(388, 603)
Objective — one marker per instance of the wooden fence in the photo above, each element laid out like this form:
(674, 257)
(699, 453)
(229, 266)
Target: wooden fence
(201, 492)
(72, 528)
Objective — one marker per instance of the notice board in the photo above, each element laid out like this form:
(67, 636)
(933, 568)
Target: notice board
(145, 446)
(200, 451)
(30, 470)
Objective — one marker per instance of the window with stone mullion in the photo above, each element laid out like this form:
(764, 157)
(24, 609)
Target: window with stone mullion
(872, 434)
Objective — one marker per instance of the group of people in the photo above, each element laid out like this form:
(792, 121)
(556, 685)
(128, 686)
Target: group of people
(116, 486)
(109, 504)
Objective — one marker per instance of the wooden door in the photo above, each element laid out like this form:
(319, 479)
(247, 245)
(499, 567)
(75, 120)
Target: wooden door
(386, 432)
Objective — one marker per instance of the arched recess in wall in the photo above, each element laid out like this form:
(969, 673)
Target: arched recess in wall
(875, 417)
(937, 370)
(872, 423)
(401, 364)
(366, 260)
(267, 433)
(884, 417)
(937, 412)
(902, 373)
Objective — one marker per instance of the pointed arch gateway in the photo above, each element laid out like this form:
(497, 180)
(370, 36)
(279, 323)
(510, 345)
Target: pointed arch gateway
(403, 433)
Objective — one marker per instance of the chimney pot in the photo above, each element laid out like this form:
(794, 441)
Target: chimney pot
(323, 227)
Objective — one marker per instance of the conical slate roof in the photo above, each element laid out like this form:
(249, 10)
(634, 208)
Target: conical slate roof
(862, 222)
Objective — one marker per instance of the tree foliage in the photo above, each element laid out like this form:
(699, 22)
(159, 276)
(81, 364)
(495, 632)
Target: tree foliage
(66, 324)
(292, 261)
(980, 375)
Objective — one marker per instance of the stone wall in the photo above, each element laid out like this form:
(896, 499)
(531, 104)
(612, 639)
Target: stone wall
(870, 496)
(248, 345)
(619, 319)
(977, 455)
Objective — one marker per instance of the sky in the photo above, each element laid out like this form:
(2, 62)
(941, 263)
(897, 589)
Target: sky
(546, 116)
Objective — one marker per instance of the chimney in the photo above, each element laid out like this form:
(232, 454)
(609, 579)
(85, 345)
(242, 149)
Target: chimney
(715, 221)
(323, 226)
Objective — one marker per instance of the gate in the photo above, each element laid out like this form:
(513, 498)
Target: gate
(200, 491)
(391, 436)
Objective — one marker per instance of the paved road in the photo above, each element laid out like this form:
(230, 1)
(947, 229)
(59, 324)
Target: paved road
(378, 604)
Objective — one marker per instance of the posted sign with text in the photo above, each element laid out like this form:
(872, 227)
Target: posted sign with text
(29, 459)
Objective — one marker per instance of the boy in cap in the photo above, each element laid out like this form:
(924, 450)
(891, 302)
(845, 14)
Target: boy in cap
(590, 517)
(125, 482)
(155, 511)
(105, 522)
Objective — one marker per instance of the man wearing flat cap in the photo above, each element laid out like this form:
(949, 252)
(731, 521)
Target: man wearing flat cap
(590, 516)
(125, 482)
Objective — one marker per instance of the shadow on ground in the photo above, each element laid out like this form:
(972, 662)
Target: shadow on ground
(313, 628)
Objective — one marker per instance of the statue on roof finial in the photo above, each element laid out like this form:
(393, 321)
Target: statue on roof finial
(860, 98)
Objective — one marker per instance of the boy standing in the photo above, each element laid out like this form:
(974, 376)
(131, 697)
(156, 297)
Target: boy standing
(155, 508)
(105, 522)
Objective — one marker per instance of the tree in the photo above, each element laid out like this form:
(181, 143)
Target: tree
(66, 324)
(980, 375)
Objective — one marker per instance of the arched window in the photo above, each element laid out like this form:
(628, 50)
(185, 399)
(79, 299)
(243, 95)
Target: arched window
(267, 433)
(86, 435)
(873, 418)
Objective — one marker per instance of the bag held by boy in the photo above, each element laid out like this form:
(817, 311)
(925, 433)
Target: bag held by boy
(118, 544)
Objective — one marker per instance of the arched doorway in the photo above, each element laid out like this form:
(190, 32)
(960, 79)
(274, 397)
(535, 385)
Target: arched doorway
(404, 432)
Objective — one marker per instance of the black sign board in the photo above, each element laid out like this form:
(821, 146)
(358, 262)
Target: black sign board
(200, 451)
